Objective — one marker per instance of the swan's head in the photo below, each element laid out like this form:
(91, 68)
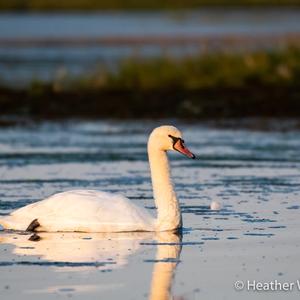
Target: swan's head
(168, 138)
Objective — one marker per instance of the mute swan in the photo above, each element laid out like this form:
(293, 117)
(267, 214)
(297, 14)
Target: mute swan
(95, 211)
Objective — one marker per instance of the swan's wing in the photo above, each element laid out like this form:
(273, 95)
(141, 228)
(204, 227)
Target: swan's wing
(83, 210)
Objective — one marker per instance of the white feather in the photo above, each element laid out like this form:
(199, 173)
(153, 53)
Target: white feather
(95, 211)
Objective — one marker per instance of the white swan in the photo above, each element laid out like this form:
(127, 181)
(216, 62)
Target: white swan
(95, 211)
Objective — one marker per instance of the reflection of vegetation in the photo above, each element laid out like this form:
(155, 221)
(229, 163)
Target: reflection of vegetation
(210, 85)
(133, 4)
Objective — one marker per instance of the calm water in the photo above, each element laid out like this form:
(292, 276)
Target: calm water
(255, 175)
(19, 64)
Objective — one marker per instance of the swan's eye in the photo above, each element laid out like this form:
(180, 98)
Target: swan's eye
(174, 139)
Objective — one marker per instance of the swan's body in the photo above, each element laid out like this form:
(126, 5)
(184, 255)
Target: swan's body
(95, 211)
(82, 210)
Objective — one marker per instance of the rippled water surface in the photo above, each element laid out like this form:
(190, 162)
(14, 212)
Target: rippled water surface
(255, 236)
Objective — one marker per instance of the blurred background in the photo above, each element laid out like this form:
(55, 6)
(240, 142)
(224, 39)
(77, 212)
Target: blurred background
(193, 59)
(83, 83)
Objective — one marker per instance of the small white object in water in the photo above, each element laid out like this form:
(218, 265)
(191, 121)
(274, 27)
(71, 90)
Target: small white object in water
(215, 205)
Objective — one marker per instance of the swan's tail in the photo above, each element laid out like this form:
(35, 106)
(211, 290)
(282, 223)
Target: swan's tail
(9, 223)
(4, 223)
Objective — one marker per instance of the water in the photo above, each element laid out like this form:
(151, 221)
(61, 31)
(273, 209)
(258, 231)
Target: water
(254, 175)
(61, 43)
(205, 21)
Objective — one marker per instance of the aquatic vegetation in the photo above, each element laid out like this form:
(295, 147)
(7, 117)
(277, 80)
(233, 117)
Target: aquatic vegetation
(220, 84)
(261, 68)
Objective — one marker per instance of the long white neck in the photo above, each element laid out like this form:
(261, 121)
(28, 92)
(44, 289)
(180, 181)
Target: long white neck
(168, 209)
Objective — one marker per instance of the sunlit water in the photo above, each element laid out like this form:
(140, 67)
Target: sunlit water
(255, 236)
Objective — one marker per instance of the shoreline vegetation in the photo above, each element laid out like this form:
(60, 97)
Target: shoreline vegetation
(217, 85)
(91, 5)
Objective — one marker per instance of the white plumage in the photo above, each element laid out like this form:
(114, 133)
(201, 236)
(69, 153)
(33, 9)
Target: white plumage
(84, 211)
(95, 211)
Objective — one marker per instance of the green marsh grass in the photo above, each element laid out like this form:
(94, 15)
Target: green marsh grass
(217, 85)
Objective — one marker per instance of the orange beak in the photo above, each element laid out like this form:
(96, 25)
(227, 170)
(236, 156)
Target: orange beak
(180, 147)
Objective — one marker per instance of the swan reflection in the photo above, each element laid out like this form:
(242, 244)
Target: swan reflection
(79, 249)
(167, 257)
(104, 251)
